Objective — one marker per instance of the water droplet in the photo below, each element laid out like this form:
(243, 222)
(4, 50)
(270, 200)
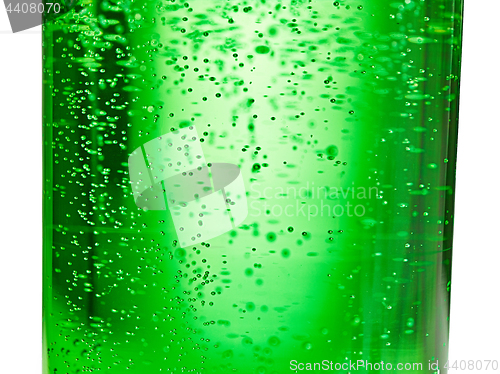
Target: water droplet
(262, 49)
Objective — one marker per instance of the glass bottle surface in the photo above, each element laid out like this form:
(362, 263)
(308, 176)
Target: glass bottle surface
(341, 118)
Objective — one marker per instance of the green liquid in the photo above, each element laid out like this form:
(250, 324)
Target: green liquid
(342, 117)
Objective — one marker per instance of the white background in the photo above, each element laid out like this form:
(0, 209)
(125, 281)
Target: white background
(475, 315)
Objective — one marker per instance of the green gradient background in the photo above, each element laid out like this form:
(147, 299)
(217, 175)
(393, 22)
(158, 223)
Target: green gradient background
(301, 95)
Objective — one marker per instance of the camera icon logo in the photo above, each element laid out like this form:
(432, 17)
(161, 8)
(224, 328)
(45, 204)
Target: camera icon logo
(205, 200)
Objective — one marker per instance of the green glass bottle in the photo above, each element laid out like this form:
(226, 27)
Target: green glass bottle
(249, 186)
